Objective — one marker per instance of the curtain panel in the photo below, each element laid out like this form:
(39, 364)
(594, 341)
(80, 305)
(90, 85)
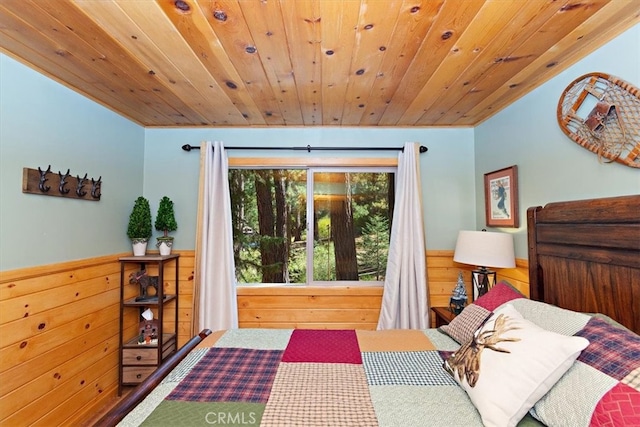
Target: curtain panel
(405, 302)
(215, 304)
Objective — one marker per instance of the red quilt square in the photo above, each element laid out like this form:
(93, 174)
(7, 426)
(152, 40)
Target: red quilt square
(620, 406)
(323, 346)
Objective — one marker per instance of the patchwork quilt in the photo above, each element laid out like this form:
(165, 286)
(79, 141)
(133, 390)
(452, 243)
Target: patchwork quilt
(285, 377)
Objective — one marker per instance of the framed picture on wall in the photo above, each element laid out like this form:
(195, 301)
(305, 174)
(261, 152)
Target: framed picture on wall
(501, 197)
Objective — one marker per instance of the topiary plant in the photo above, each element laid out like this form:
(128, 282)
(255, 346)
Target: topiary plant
(140, 221)
(165, 219)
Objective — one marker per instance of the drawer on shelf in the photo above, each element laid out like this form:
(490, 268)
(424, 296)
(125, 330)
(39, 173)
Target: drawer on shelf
(136, 374)
(168, 348)
(140, 356)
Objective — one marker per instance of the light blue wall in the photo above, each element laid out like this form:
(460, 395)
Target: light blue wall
(447, 168)
(551, 167)
(43, 123)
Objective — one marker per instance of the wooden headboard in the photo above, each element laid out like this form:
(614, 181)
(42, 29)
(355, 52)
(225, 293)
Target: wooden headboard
(585, 256)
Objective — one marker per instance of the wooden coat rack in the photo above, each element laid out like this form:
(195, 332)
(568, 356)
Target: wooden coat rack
(47, 183)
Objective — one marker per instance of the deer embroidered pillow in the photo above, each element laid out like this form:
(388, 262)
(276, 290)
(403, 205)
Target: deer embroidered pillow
(509, 364)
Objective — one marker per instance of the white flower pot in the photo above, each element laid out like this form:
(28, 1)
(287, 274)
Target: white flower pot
(164, 249)
(164, 246)
(139, 247)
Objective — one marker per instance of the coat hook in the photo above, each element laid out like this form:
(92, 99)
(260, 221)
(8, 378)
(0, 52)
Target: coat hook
(43, 179)
(81, 182)
(95, 187)
(63, 182)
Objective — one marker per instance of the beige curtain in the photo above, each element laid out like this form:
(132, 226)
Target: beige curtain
(215, 303)
(405, 302)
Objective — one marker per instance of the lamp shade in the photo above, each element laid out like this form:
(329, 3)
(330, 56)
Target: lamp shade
(485, 249)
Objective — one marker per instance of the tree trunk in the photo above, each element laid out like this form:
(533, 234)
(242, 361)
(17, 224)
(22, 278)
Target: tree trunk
(391, 196)
(236, 187)
(282, 226)
(343, 236)
(266, 222)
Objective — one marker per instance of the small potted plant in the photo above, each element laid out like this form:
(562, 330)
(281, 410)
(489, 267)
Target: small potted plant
(139, 229)
(165, 222)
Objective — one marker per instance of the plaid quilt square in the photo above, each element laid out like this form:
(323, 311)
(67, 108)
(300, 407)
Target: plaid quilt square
(323, 346)
(419, 368)
(231, 375)
(633, 379)
(464, 325)
(612, 350)
(319, 395)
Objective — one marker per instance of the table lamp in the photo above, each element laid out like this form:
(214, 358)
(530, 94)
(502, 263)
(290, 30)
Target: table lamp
(484, 249)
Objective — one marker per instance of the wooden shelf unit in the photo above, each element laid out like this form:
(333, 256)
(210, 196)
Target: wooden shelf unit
(139, 360)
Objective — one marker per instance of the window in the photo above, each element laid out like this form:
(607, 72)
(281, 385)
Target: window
(311, 225)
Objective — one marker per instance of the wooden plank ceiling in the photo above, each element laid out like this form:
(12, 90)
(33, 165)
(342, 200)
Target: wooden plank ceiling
(307, 62)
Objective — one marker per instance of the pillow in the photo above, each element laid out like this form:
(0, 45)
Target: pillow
(551, 317)
(510, 364)
(502, 292)
(462, 327)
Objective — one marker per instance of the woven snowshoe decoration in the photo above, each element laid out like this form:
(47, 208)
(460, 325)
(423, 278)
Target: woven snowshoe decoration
(602, 113)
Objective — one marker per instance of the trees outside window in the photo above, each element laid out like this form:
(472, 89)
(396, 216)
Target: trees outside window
(346, 212)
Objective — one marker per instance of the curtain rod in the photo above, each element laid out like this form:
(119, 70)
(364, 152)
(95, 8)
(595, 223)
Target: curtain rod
(309, 148)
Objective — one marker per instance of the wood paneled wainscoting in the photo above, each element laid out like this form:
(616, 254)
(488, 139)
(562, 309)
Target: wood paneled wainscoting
(309, 307)
(353, 307)
(59, 339)
(59, 350)
(59, 327)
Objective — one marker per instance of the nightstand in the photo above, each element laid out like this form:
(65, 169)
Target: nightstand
(443, 315)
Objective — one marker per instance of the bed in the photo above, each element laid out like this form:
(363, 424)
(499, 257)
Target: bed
(505, 360)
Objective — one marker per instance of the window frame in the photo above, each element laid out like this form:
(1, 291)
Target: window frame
(316, 164)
